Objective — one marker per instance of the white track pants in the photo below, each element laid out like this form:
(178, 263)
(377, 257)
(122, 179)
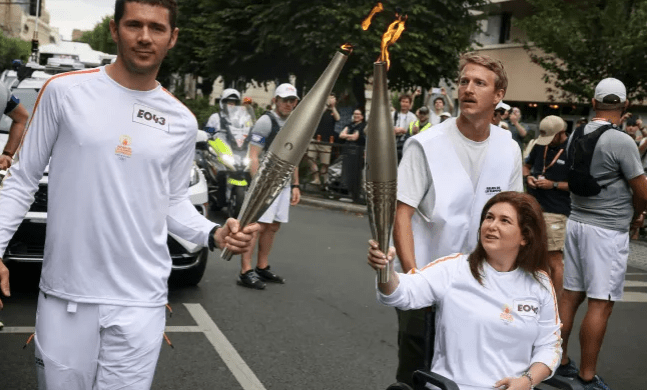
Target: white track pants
(99, 347)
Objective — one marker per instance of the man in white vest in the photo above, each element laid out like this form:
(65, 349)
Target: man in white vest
(444, 179)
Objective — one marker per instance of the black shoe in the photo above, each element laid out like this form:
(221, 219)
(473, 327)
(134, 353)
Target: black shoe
(568, 370)
(269, 276)
(250, 279)
(596, 384)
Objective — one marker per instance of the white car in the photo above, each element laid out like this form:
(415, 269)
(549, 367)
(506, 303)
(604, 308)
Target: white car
(28, 243)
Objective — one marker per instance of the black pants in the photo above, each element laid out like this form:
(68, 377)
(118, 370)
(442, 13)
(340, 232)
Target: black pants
(411, 343)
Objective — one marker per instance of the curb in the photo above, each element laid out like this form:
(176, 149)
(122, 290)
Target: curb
(333, 204)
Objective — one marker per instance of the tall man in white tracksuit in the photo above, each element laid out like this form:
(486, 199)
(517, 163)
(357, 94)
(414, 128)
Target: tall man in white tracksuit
(120, 149)
(446, 176)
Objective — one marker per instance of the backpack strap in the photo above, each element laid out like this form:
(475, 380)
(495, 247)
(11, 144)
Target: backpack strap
(275, 129)
(611, 175)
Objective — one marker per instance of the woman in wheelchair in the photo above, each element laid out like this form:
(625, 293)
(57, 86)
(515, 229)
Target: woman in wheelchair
(496, 313)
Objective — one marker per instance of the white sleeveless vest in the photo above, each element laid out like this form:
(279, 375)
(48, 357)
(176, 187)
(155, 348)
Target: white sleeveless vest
(457, 210)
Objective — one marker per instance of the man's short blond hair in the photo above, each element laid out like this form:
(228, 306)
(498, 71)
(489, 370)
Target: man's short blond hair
(496, 66)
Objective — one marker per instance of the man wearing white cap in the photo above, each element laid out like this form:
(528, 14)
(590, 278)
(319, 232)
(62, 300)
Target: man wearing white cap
(262, 135)
(597, 232)
(546, 172)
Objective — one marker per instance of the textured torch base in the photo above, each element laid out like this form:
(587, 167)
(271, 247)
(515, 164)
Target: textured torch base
(381, 203)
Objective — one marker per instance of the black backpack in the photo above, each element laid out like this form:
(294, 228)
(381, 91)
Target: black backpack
(580, 152)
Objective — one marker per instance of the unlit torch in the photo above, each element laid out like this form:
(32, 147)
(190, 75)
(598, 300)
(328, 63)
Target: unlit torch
(288, 147)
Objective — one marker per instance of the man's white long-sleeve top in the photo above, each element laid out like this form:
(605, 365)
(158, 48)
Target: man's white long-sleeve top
(120, 163)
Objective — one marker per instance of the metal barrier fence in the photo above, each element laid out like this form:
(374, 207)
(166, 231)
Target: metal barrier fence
(333, 171)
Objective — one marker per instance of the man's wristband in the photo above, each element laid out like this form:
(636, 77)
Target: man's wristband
(295, 186)
(212, 238)
(7, 153)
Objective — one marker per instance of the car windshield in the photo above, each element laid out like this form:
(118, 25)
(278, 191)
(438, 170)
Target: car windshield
(27, 97)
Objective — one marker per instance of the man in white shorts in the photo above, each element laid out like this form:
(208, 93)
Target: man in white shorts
(597, 233)
(120, 150)
(446, 176)
(262, 134)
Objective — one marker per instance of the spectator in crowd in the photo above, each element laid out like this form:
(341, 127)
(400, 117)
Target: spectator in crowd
(597, 233)
(11, 107)
(422, 123)
(516, 128)
(104, 284)
(262, 134)
(499, 112)
(355, 139)
(446, 176)
(479, 296)
(581, 122)
(439, 104)
(401, 121)
(546, 174)
(634, 130)
(444, 116)
(319, 150)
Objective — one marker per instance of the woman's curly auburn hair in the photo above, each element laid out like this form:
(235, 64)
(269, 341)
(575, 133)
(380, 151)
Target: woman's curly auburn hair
(533, 256)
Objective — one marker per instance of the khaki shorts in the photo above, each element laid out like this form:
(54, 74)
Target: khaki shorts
(321, 151)
(555, 231)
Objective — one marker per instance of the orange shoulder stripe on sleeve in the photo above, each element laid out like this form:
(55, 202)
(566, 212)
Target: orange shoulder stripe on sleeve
(40, 93)
(440, 260)
(179, 101)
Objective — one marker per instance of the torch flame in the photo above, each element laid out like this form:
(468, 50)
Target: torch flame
(391, 35)
(367, 22)
(347, 47)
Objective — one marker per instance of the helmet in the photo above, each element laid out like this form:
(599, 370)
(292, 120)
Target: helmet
(229, 94)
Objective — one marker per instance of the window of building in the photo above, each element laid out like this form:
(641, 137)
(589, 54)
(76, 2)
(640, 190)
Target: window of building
(495, 29)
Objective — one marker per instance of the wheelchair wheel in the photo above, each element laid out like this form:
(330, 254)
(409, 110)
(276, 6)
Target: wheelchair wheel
(399, 386)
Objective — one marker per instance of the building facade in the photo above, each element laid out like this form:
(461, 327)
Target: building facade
(16, 22)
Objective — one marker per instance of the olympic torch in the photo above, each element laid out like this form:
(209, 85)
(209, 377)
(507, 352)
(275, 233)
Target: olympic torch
(289, 146)
(381, 166)
(381, 158)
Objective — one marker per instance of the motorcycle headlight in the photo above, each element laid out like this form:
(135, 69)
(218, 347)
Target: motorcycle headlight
(195, 176)
(228, 159)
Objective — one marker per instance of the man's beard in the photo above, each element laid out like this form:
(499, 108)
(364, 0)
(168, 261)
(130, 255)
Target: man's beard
(136, 69)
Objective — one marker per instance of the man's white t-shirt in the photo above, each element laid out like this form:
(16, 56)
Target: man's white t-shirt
(487, 332)
(120, 163)
(415, 184)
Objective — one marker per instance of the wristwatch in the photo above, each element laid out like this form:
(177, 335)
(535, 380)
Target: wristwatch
(555, 184)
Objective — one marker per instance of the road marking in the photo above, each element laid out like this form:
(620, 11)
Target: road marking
(635, 283)
(227, 352)
(232, 359)
(633, 296)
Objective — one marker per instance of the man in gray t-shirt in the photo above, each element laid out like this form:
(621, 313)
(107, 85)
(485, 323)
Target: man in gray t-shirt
(597, 234)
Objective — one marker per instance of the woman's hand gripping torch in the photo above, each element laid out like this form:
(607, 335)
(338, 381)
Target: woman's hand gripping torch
(288, 147)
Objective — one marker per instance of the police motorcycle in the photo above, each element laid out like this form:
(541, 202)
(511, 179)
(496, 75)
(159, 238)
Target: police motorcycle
(224, 156)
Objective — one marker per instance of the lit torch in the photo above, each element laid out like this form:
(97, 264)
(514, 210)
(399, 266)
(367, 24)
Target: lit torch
(381, 157)
(289, 146)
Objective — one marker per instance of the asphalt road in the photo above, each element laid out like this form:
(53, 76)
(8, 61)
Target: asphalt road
(321, 330)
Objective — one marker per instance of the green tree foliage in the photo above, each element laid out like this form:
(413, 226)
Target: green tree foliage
(267, 40)
(12, 49)
(584, 41)
(99, 38)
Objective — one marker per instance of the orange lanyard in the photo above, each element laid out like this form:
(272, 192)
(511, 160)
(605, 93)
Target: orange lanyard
(554, 159)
